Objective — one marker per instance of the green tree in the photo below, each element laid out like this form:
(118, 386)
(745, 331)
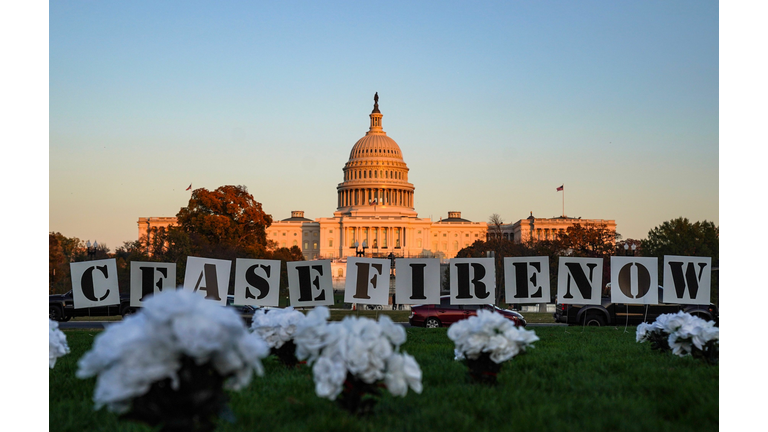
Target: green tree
(681, 237)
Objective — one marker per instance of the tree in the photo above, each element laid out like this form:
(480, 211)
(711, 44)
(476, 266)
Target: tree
(228, 218)
(592, 241)
(495, 223)
(681, 237)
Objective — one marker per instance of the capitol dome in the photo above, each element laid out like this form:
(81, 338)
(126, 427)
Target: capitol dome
(375, 177)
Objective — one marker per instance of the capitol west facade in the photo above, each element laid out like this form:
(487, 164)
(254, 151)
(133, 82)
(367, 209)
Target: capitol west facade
(375, 213)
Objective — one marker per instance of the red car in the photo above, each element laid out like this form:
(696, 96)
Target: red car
(445, 314)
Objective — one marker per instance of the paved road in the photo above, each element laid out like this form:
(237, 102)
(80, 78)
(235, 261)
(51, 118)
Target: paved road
(100, 325)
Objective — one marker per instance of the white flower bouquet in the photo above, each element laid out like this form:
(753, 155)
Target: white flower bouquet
(277, 327)
(487, 340)
(170, 363)
(57, 343)
(683, 334)
(352, 359)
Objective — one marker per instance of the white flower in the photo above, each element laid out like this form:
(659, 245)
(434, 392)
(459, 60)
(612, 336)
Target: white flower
(278, 326)
(682, 330)
(128, 357)
(643, 331)
(705, 333)
(362, 347)
(57, 343)
(402, 372)
(329, 374)
(489, 332)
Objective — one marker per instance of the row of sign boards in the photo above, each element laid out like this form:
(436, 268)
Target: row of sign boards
(472, 281)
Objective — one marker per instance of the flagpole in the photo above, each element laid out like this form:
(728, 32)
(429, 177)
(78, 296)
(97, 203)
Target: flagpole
(563, 200)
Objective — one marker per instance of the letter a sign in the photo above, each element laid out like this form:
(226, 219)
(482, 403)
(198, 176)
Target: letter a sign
(208, 277)
(367, 281)
(687, 279)
(579, 280)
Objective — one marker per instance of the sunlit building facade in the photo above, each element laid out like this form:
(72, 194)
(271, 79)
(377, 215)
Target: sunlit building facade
(376, 214)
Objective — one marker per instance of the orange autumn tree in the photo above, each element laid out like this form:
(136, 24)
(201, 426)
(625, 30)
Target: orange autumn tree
(226, 221)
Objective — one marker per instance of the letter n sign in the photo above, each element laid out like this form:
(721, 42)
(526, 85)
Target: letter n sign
(208, 277)
(473, 280)
(526, 279)
(257, 282)
(94, 283)
(149, 278)
(687, 279)
(579, 280)
(309, 283)
(634, 280)
(418, 281)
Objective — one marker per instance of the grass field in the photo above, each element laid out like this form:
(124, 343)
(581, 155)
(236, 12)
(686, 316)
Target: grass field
(576, 378)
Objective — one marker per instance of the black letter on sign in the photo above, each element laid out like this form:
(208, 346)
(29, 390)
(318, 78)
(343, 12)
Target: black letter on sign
(148, 281)
(463, 281)
(521, 279)
(305, 283)
(690, 278)
(87, 283)
(361, 287)
(257, 281)
(582, 283)
(211, 284)
(417, 281)
(643, 280)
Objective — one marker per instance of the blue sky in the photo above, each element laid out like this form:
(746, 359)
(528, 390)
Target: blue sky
(494, 105)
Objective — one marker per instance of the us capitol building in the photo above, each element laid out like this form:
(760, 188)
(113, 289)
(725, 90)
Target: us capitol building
(375, 213)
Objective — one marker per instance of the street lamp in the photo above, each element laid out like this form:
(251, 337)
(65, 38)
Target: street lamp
(91, 250)
(626, 249)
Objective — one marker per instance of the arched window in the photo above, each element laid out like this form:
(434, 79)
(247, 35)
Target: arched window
(340, 272)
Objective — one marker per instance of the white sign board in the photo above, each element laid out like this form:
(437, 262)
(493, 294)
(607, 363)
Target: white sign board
(579, 280)
(310, 283)
(634, 280)
(94, 283)
(149, 278)
(473, 280)
(418, 281)
(257, 282)
(367, 281)
(687, 279)
(526, 279)
(209, 277)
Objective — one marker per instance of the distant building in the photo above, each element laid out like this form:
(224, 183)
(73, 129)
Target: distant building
(375, 213)
(536, 229)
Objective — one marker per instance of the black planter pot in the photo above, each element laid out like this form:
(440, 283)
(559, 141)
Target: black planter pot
(194, 406)
(483, 370)
(286, 354)
(358, 397)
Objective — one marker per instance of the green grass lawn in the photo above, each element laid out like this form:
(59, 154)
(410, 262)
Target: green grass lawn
(576, 378)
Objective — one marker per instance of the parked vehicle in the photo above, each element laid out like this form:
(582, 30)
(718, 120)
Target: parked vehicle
(61, 308)
(445, 314)
(607, 313)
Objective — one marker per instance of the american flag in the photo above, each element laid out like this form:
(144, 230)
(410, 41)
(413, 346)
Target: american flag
(560, 188)
(190, 186)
